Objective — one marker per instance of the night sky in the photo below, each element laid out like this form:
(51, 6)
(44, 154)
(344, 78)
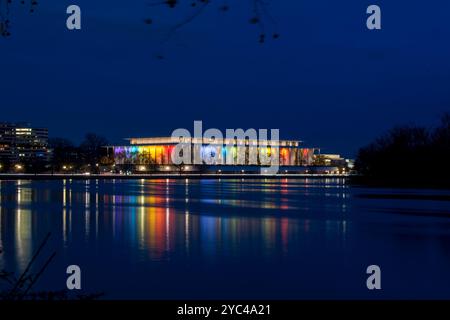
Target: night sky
(327, 80)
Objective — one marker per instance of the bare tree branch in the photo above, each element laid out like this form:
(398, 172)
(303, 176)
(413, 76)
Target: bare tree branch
(5, 12)
(260, 15)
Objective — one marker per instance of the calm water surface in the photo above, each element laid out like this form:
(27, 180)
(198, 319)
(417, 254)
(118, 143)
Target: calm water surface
(302, 238)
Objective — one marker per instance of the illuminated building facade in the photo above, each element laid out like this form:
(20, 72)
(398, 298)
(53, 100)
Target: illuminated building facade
(146, 154)
(19, 142)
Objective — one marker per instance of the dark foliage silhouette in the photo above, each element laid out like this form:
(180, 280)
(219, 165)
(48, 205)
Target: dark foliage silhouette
(409, 155)
(92, 149)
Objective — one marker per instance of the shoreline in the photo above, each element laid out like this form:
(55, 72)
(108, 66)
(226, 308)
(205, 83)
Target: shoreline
(351, 179)
(27, 176)
(399, 182)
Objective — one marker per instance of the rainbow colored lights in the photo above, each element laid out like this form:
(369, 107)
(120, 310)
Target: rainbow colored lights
(212, 155)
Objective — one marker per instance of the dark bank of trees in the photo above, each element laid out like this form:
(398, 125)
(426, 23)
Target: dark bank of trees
(408, 156)
(86, 157)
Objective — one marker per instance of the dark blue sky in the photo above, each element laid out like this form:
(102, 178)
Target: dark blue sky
(328, 80)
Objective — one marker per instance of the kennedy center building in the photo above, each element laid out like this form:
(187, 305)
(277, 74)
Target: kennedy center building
(155, 154)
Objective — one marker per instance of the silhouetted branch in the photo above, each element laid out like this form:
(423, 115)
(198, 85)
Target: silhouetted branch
(5, 13)
(187, 20)
(34, 279)
(27, 280)
(23, 277)
(260, 15)
(26, 277)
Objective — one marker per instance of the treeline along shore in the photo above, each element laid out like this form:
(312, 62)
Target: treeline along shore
(24, 176)
(407, 156)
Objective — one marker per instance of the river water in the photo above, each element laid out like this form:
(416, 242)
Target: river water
(235, 239)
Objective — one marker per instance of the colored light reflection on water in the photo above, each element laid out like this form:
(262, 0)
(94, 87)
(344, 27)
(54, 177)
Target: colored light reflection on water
(305, 238)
